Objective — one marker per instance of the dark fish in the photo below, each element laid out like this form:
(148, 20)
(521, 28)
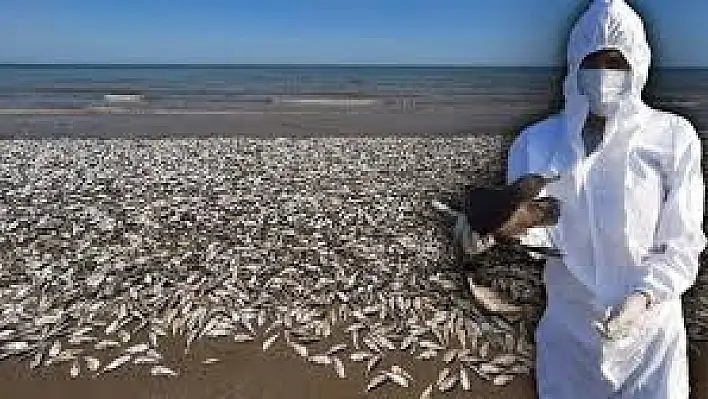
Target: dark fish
(507, 212)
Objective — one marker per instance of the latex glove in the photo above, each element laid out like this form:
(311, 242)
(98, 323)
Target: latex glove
(470, 241)
(621, 321)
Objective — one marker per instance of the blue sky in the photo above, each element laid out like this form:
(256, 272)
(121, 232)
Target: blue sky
(488, 32)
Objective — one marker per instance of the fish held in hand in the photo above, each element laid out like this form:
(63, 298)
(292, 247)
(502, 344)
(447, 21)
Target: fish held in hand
(491, 215)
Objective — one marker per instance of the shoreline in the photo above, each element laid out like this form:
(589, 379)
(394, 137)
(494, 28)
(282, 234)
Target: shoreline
(444, 123)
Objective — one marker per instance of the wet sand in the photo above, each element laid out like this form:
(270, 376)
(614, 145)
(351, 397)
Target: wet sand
(245, 372)
(309, 121)
(289, 121)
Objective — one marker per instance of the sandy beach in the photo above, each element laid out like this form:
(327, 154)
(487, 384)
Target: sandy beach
(297, 121)
(246, 372)
(144, 217)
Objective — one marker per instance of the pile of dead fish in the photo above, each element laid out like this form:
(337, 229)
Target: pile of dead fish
(109, 247)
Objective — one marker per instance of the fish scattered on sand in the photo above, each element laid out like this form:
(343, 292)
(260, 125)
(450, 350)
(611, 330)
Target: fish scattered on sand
(258, 242)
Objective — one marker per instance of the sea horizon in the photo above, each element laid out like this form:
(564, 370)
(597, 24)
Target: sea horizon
(198, 65)
(371, 97)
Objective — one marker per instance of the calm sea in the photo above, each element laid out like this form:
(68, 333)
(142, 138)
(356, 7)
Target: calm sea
(235, 88)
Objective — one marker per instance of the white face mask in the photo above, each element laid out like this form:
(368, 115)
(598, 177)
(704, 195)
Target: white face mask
(604, 88)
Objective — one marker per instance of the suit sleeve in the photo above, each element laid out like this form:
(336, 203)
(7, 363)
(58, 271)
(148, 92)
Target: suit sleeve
(671, 272)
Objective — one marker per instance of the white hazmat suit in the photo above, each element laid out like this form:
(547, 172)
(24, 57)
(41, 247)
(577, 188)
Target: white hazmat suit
(631, 219)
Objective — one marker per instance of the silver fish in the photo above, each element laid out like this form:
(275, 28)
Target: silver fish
(376, 381)
(320, 359)
(502, 379)
(397, 378)
(92, 363)
(117, 362)
(338, 367)
(427, 392)
(269, 341)
(162, 370)
(464, 379)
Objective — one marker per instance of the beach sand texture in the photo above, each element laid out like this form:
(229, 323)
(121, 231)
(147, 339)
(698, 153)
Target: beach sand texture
(99, 231)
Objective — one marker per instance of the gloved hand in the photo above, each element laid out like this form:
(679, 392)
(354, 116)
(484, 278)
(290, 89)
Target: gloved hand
(623, 319)
(470, 241)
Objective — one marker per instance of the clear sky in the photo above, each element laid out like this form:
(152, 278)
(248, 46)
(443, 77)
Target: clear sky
(486, 32)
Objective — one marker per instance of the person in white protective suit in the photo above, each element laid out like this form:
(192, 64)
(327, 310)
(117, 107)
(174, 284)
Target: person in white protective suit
(630, 228)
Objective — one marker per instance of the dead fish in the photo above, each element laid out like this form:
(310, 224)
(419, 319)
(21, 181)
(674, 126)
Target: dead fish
(153, 353)
(483, 350)
(427, 392)
(124, 336)
(218, 332)
(119, 361)
(106, 344)
(408, 341)
(243, 337)
(69, 354)
(491, 300)
(162, 370)
(376, 381)
(80, 340)
(55, 349)
(36, 361)
(190, 338)
(488, 368)
(463, 352)
(371, 345)
(338, 367)
(247, 324)
(449, 383)
(336, 348)
(360, 356)
(427, 355)
(461, 333)
(299, 349)
(210, 360)
(152, 337)
(92, 363)
(502, 379)
(372, 363)
(385, 342)
(464, 379)
(74, 371)
(470, 359)
(261, 318)
(135, 349)
(430, 345)
(397, 378)
(508, 210)
(355, 327)
(444, 373)
(320, 359)
(268, 342)
(505, 359)
(112, 327)
(17, 346)
(399, 370)
(370, 310)
(450, 355)
(145, 360)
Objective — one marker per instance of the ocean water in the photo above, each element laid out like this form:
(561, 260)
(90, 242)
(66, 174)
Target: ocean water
(205, 89)
(224, 87)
